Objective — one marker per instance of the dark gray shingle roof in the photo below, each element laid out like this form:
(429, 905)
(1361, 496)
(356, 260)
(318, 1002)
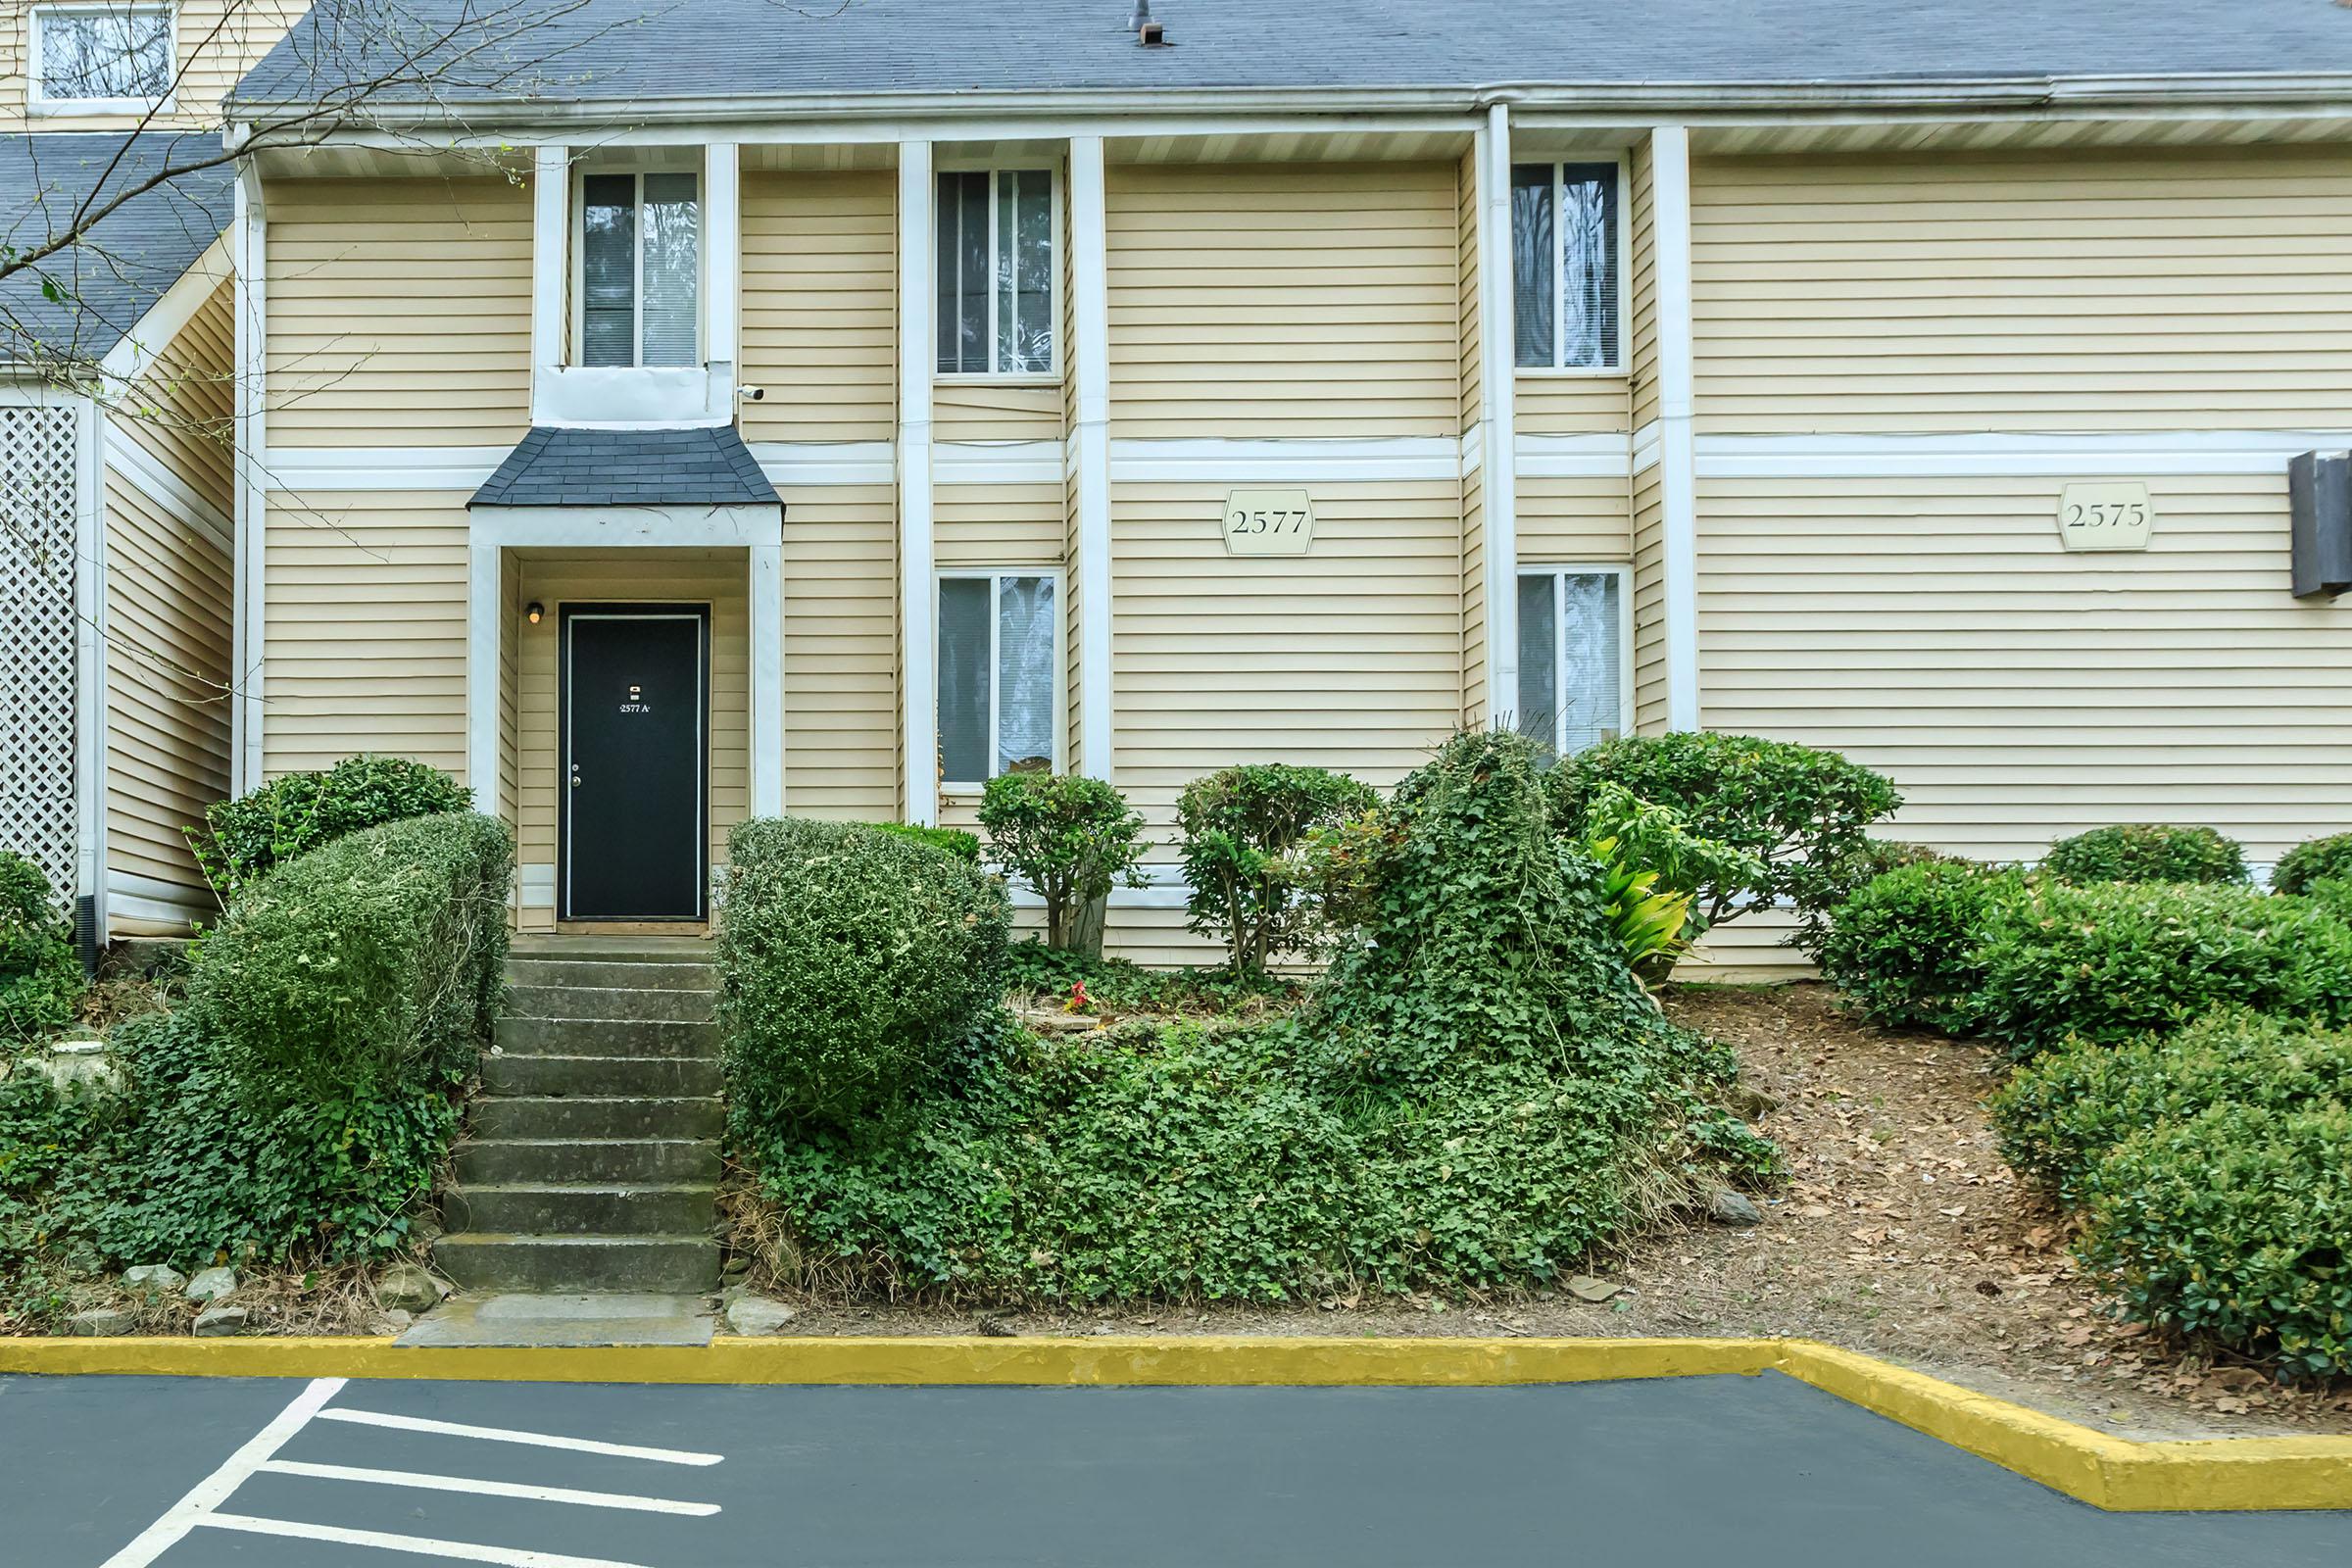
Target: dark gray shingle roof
(628, 49)
(126, 260)
(704, 465)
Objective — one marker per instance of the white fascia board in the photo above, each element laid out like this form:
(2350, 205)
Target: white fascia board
(173, 495)
(690, 528)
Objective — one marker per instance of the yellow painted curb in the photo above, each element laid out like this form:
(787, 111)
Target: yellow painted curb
(2106, 1472)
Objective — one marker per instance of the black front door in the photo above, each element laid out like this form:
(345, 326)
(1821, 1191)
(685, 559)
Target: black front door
(633, 789)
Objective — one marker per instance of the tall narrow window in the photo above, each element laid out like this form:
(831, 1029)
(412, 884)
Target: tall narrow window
(1571, 657)
(1564, 266)
(996, 272)
(999, 639)
(640, 270)
(102, 54)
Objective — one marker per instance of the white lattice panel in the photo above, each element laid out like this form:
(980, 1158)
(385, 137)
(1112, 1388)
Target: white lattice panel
(37, 475)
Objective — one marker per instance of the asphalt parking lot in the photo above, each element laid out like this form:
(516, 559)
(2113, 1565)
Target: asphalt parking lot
(112, 1472)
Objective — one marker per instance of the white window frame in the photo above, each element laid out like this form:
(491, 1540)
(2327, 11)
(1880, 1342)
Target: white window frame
(1622, 163)
(39, 101)
(578, 354)
(995, 577)
(1059, 172)
(1556, 570)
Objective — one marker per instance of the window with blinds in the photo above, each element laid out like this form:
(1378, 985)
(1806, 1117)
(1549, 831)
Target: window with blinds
(640, 270)
(1564, 273)
(1572, 656)
(999, 639)
(996, 272)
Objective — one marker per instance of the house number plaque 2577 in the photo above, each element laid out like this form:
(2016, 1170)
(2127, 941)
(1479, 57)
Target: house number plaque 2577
(1270, 522)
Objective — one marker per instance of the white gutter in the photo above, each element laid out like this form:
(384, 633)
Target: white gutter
(2251, 89)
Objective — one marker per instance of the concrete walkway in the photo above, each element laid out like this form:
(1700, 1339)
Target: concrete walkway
(1761, 1472)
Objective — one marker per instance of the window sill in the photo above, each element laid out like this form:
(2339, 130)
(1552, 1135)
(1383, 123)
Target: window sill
(996, 378)
(64, 108)
(1571, 373)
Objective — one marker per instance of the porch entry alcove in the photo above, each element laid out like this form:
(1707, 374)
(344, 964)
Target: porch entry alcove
(624, 668)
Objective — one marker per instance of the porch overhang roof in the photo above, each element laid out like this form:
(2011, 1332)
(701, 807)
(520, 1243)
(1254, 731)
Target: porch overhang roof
(699, 465)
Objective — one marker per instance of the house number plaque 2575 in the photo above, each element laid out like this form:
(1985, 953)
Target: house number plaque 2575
(1270, 522)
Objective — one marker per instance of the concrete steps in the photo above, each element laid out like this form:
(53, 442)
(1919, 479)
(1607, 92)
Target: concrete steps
(592, 1161)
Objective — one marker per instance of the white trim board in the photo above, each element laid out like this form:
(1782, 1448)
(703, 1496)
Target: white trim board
(1996, 454)
(164, 320)
(1607, 455)
(138, 468)
(695, 527)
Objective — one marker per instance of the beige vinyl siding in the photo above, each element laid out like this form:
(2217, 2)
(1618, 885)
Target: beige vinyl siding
(2151, 290)
(1752, 948)
(1475, 671)
(1642, 288)
(819, 296)
(399, 312)
(1269, 301)
(1347, 657)
(998, 525)
(1936, 630)
(365, 629)
(1574, 520)
(841, 653)
(168, 682)
(1569, 403)
(1649, 604)
(182, 412)
(687, 578)
(216, 42)
(996, 411)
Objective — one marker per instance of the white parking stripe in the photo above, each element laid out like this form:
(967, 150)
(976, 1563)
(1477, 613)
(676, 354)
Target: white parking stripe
(208, 1494)
(420, 1545)
(536, 1439)
(488, 1489)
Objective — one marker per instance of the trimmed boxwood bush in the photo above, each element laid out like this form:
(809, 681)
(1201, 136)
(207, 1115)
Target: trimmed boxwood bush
(297, 1103)
(368, 964)
(1907, 944)
(1238, 826)
(1823, 890)
(1804, 812)
(294, 815)
(851, 962)
(2306, 865)
(2112, 960)
(2153, 851)
(2234, 1226)
(2059, 1117)
(41, 977)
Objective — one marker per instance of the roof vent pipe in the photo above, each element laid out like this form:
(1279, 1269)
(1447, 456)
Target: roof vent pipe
(1147, 33)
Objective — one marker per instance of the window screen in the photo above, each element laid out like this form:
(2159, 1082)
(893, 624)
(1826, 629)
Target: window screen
(105, 51)
(998, 687)
(996, 272)
(1564, 273)
(1571, 657)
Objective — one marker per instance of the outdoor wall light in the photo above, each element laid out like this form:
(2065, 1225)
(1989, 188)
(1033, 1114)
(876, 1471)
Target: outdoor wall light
(534, 612)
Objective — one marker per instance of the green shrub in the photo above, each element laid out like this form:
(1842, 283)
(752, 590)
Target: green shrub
(851, 962)
(1651, 870)
(296, 1106)
(2061, 1115)
(2233, 1227)
(1907, 944)
(1478, 1094)
(1068, 838)
(2151, 851)
(1822, 891)
(2110, 960)
(294, 815)
(1238, 826)
(1796, 809)
(41, 977)
(2321, 859)
(365, 966)
(950, 840)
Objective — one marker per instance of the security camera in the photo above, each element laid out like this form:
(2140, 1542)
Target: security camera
(754, 394)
